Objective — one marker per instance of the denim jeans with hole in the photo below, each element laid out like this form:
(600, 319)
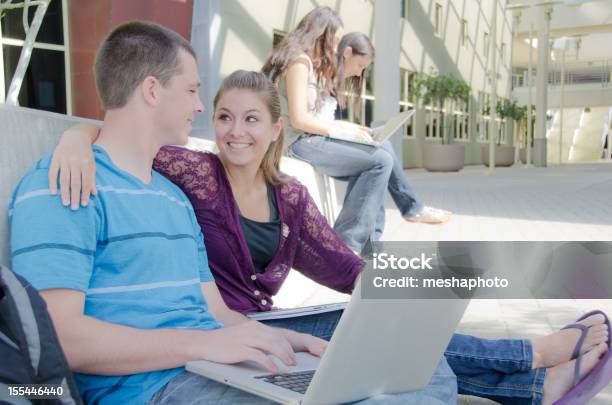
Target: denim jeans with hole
(496, 369)
(369, 171)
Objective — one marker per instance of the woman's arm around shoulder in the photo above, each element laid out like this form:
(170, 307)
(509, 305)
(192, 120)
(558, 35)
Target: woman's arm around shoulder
(195, 172)
(73, 167)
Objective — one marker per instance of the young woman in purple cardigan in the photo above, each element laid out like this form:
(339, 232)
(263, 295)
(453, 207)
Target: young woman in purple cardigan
(259, 224)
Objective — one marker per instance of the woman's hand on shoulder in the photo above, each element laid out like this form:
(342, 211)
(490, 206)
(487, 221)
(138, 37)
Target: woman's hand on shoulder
(74, 163)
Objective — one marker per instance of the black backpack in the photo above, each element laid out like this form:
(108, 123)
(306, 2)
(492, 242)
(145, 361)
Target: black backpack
(29, 348)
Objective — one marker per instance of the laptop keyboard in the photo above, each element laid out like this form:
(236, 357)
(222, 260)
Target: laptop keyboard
(297, 381)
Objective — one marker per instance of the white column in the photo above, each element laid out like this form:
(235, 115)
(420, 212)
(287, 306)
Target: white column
(539, 144)
(609, 135)
(386, 64)
(206, 41)
(515, 26)
(493, 80)
(561, 107)
(529, 98)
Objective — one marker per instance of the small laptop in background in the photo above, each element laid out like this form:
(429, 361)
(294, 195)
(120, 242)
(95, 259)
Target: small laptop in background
(296, 312)
(383, 132)
(379, 347)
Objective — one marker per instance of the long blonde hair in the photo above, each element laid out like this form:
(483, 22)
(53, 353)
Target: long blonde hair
(259, 83)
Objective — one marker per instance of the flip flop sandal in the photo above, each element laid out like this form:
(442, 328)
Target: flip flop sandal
(598, 378)
(584, 330)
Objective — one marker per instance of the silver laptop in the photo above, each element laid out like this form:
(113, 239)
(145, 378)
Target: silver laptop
(379, 346)
(383, 132)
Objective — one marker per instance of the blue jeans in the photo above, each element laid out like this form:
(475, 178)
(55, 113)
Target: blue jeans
(401, 192)
(188, 389)
(496, 369)
(369, 171)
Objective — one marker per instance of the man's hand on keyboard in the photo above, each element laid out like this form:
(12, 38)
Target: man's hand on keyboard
(301, 342)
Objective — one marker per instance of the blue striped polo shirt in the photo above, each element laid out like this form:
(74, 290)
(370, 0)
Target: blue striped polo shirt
(136, 252)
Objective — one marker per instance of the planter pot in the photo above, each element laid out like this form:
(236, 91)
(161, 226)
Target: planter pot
(504, 155)
(443, 158)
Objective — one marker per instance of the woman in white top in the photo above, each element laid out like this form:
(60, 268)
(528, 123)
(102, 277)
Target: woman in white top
(309, 73)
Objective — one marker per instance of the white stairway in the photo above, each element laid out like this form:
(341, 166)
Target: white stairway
(571, 121)
(589, 138)
(583, 134)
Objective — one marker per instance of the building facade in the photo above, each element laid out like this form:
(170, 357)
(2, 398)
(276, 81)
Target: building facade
(436, 37)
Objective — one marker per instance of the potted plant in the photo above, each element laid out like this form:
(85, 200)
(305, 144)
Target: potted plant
(504, 154)
(443, 90)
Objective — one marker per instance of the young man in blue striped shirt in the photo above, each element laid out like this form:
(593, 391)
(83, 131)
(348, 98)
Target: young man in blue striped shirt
(126, 278)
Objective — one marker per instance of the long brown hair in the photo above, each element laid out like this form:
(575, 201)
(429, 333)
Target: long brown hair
(314, 36)
(351, 86)
(259, 83)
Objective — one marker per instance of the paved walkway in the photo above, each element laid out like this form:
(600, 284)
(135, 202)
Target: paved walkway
(571, 202)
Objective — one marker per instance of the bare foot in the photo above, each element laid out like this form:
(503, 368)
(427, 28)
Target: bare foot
(557, 348)
(560, 379)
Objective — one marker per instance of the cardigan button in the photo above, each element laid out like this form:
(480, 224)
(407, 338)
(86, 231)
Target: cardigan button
(264, 302)
(256, 292)
(253, 277)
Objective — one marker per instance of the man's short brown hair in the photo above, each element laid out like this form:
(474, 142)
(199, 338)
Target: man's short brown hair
(132, 52)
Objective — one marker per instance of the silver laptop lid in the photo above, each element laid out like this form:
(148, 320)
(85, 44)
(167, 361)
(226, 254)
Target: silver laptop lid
(379, 346)
(385, 132)
(384, 346)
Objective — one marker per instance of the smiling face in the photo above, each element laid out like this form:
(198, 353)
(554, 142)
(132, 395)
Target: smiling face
(244, 128)
(354, 64)
(179, 102)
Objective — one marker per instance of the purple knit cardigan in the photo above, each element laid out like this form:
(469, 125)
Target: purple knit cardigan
(307, 242)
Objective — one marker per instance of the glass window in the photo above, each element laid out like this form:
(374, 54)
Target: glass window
(438, 19)
(434, 121)
(403, 84)
(277, 37)
(369, 81)
(51, 30)
(46, 81)
(406, 78)
(366, 107)
(409, 126)
(404, 5)
(44, 84)
(482, 121)
(368, 113)
(461, 121)
(485, 44)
